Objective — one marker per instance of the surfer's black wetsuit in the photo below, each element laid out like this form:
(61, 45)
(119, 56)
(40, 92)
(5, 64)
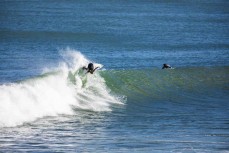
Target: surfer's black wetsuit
(90, 68)
(166, 66)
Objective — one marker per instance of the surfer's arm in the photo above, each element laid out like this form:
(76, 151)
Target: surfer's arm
(84, 68)
(92, 71)
(95, 69)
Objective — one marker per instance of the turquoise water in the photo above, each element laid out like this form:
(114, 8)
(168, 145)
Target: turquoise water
(48, 104)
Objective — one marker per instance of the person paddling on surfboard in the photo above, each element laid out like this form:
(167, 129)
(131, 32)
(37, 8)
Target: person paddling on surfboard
(166, 66)
(90, 68)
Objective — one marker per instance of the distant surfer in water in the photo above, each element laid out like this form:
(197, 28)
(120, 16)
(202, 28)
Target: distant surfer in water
(90, 68)
(166, 66)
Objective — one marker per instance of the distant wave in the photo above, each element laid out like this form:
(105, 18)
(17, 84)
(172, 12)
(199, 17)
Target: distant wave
(59, 90)
(56, 35)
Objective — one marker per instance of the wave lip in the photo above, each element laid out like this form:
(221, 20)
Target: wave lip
(60, 91)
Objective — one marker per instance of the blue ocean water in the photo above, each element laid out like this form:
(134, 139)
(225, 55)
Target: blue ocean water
(49, 104)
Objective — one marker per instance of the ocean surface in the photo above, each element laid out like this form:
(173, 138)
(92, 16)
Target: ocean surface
(130, 104)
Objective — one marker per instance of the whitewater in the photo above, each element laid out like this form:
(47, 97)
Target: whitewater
(130, 104)
(57, 91)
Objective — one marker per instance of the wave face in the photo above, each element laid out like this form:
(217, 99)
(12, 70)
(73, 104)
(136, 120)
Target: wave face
(58, 91)
(179, 84)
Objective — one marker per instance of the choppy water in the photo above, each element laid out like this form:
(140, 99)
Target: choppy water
(48, 104)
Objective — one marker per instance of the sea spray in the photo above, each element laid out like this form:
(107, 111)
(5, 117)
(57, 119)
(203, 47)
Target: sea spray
(58, 91)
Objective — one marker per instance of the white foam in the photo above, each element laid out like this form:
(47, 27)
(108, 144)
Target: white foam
(55, 94)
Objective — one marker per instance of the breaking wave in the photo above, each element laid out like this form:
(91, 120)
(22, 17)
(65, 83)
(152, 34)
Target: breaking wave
(61, 90)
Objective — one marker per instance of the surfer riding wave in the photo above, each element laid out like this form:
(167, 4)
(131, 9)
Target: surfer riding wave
(90, 68)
